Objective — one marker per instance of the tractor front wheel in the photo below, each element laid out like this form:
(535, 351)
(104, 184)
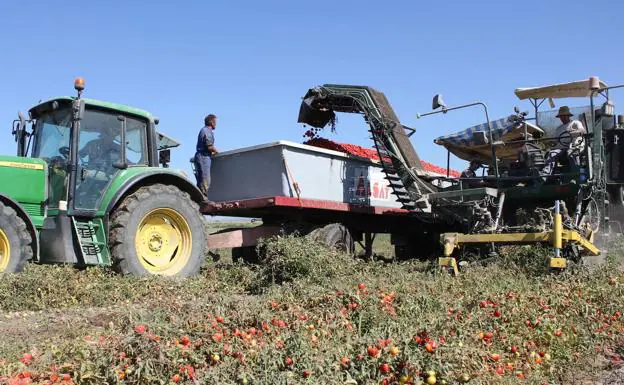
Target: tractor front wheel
(158, 230)
(15, 241)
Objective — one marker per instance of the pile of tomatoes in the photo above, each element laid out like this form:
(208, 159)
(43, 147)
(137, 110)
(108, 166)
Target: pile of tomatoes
(355, 150)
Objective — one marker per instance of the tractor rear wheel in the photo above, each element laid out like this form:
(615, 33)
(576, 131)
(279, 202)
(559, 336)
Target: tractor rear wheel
(15, 241)
(157, 230)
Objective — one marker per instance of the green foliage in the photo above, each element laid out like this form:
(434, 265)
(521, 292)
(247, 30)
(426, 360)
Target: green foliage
(313, 318)
(288, 258)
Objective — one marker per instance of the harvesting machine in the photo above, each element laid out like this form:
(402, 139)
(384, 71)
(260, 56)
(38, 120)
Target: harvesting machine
(575, 208)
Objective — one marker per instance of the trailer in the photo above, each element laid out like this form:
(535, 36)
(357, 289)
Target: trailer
(291, 187)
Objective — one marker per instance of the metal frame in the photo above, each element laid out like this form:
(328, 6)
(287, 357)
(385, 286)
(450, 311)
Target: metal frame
(444, 110)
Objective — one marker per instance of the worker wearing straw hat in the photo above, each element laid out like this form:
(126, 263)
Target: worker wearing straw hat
(573, 128)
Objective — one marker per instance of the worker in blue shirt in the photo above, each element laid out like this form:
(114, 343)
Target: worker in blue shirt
(205, 149)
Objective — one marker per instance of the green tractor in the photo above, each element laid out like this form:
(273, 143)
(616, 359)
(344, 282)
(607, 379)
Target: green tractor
(75, 195)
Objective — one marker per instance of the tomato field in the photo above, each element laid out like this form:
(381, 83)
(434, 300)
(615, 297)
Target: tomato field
(308, 315)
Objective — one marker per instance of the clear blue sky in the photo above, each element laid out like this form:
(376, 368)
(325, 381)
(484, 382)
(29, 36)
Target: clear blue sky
(250, 62)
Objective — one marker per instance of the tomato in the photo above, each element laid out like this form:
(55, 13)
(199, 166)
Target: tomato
(500, 370)
(495, 357)
(185, 340)
(215, 358)
(26, 358)
(361, 286)
(384, 368)
(430, 347)
(514, 349)
(558, 333)
(431, 380)
(394, 351)
(176, 378)
(288, 361)
(219, 319)
(307, 373)
(345, 361)
(372, 351)
(139, 329)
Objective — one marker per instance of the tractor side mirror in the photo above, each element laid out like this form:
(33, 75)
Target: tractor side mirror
(438, 102)
(120, 165)
(164, 157)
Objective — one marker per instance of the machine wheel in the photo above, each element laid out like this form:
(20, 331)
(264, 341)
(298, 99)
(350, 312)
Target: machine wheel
(15, 241)
(422, 248)
(158, 230)
(616, 195)
(335, 236)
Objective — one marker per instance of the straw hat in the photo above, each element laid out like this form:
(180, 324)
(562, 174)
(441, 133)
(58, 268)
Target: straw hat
(564, 111)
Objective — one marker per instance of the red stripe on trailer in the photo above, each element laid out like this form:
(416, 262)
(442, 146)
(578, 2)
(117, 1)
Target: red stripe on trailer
(283, 201)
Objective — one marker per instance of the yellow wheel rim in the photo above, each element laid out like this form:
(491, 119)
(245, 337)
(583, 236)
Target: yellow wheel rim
(163, 242)
(5, 251)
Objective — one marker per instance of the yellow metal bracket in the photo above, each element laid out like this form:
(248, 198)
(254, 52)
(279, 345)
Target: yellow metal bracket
(449, 263)
(558, 263)
(558, 237)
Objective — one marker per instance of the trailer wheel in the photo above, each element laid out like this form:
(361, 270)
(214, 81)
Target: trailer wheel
(15, 241)
(247, 254)
(157, 230)
(335, 236)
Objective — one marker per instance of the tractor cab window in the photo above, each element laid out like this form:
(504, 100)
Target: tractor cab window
(99, 149)
(51, 143)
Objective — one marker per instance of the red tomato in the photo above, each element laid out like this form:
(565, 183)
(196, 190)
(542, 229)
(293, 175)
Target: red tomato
(372, 351)
(384, 368)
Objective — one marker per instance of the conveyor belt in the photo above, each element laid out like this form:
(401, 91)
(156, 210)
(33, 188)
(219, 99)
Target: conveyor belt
(400, 162)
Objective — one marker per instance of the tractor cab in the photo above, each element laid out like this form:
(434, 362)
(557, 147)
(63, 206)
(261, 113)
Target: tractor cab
(80, 140)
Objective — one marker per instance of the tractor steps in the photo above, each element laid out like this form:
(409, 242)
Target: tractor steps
(90, 234)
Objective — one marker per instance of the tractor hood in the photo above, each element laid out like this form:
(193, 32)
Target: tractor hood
(18, 162)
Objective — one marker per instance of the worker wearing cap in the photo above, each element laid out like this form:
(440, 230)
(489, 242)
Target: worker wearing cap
(204, 151)
(575, 130)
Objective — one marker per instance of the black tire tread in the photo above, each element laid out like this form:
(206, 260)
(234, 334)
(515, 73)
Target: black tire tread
(25, 238)
(335, 235)
(123, 213)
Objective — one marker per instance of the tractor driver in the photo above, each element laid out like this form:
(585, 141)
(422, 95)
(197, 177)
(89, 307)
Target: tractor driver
(575, 130)
(101, 152)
